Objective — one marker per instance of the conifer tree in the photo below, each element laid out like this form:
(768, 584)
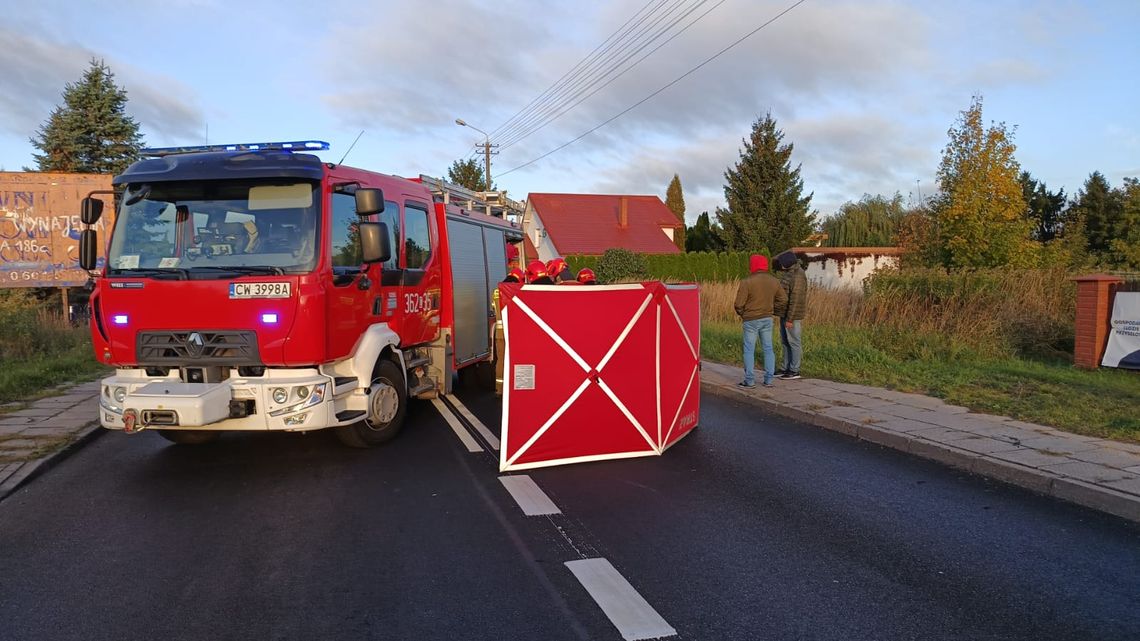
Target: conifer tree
(90, 132)
(467, 173)
(1102, 208)
(675, 201)
(766, 205)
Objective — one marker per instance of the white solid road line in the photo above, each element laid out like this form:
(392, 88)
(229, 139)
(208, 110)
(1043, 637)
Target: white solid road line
(627, 610)
(460, 431)
(531, 498)
(492, 440)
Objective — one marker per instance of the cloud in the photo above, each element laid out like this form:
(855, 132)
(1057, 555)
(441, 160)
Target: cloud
(36, 70)
(814, 55)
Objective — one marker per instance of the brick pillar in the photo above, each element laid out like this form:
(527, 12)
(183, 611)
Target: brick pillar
(1094, 313)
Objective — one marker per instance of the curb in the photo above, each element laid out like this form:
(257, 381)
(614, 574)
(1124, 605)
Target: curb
(29, 470)
(1070, 490)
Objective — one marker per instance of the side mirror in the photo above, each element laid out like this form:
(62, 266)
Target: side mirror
(375, 244)
(369, 201)
(92, 210)
(88, 247)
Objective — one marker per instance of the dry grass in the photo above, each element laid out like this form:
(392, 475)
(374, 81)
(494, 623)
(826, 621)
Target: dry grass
(1002, 312)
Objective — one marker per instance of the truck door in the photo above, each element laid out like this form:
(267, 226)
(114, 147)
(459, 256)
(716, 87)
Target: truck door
(350, 292)
(421, 276)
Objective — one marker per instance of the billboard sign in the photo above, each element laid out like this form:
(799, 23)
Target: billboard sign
(39, 227)
(1124, 339)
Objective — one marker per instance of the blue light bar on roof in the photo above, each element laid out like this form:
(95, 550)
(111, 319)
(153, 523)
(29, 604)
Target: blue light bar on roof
(296, 145)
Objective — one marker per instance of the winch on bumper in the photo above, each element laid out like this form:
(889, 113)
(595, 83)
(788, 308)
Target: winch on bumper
(290, 400)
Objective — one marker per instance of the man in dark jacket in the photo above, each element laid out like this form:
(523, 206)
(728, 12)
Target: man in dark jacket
(794, 283)
(758, 299)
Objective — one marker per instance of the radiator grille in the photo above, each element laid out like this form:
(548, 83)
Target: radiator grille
(201, 347)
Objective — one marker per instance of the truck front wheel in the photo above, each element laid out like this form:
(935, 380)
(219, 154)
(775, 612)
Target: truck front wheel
(387, 405)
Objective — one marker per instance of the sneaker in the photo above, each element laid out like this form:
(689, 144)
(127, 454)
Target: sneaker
(791, 376)
(780, 373)
(768, 384)
(746, 385)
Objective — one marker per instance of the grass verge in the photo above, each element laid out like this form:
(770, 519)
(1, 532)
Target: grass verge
(39, 375)
(1102, 403)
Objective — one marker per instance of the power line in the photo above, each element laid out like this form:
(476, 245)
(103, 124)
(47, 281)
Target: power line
(663, 88)
(601, 55)
(614, 62)
(619, 75)
(571, 75)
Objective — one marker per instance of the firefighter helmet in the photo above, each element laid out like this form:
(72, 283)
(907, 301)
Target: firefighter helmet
(516, 275)
(586, 276)
(535, 270)
(555, 267)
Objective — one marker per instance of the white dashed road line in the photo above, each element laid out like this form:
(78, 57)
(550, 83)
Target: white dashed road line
(492, 440)
(531, 498)
(468, 441)
(627, 610)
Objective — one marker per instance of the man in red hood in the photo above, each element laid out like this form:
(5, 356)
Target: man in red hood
(759, 298)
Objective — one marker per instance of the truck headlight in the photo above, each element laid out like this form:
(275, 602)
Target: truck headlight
(280, 395)
(302, 392)
(119, 394)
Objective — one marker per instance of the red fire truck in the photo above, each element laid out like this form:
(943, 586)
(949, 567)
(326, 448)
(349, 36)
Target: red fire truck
(255, 287)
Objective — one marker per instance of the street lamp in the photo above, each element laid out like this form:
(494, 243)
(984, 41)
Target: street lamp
(486, 147)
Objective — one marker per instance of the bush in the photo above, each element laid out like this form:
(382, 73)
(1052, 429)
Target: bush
(617, 265)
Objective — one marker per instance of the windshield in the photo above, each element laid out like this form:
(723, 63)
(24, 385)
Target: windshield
(210, 227)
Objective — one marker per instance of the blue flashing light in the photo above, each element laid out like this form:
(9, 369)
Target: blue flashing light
(295, 145)
(119, 319)
(269, 318)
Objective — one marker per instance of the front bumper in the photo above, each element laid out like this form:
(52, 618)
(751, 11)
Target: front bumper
(132, 400)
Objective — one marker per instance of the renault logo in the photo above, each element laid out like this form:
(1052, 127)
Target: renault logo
(195, 345)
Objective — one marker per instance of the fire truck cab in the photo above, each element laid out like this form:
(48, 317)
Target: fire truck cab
(255, 287)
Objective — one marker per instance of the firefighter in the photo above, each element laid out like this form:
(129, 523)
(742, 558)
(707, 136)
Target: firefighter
(515, 275)
(512, 256)
(558, 270)
(536, 274)
(586, 276)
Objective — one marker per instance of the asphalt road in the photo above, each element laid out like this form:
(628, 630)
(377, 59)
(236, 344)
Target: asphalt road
(752, 527)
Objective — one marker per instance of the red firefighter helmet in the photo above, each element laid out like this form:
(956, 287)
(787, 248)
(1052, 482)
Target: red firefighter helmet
(516, 275)
(586, 276)
(555, 267)
(535, 270)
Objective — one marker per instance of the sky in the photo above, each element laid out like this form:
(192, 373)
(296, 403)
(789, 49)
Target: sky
(865, 90)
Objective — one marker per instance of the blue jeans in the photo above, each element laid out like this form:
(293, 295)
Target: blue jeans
(763, 327)
(793, 349)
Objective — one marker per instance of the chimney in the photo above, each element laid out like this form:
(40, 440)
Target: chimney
(623, 214)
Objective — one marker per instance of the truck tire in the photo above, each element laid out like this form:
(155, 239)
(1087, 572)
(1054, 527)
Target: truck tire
(387, 405)
(189, 437)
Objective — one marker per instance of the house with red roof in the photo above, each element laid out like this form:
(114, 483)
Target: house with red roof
(589, 224)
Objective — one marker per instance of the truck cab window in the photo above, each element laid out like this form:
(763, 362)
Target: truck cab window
(391, 217)
(345, 236)
(417, 243)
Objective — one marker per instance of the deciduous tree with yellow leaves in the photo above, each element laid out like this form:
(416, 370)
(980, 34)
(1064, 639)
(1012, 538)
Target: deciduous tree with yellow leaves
(979, 216)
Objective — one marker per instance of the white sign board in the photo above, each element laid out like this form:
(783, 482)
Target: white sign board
(1124, 339)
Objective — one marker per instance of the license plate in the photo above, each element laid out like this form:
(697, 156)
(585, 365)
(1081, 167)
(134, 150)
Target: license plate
(261, 290)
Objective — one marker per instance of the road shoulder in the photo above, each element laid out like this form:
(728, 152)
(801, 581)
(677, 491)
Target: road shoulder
(44, 432)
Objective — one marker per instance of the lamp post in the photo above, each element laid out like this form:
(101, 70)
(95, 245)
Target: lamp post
(486, 148)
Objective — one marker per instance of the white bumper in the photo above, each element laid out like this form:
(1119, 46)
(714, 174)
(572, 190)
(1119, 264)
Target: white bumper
(168, 403)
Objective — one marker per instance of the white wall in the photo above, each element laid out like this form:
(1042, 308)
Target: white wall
(532, 227)
(841, 267)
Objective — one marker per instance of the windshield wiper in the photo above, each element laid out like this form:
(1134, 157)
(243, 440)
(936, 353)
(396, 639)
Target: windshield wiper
(182, 274)
(241, 269)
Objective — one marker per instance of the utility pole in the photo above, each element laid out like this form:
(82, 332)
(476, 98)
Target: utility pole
(487, 147)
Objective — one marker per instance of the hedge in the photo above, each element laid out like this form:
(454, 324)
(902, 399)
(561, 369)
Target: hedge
(686, 267)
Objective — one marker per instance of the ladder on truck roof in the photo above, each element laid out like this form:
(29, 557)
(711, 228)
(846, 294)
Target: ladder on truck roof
(492, 203)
